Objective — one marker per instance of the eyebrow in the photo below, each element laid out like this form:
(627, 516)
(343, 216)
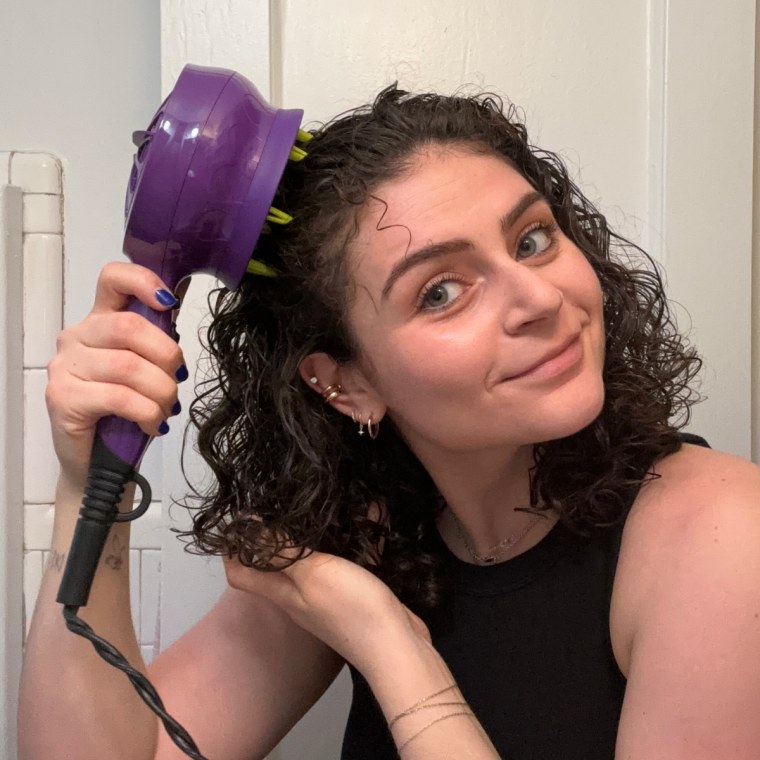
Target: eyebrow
(437, 250)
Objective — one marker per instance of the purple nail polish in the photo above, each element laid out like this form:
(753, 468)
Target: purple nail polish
(163, 428)
(182, 374)
(177, 408)
(165, 298)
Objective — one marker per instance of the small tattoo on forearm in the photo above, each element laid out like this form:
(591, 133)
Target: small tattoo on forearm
(56, 560)
(115, 559)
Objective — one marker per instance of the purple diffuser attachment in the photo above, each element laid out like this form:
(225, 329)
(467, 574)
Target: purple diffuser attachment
(204, 176)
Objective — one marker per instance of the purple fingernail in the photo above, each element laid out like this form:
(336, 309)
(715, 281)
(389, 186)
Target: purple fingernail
(177, 408)
(165, 298)
(182, 374)
(163, 428)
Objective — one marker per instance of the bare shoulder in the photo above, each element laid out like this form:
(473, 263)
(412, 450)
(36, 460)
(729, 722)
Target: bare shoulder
(702, 495)
(686, 621)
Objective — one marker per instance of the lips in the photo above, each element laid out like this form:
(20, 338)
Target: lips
(553, 354)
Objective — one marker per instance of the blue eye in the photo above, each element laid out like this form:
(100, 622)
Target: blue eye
(440, 294)
(536, 241)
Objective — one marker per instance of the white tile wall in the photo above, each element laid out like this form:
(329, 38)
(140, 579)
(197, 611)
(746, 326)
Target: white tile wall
(36, 173)
(43, 296)
(40, 177)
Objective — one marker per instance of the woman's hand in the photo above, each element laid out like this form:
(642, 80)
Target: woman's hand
(337, 601)
(112, 362)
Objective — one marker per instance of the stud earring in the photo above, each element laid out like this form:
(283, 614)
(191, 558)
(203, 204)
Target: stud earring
(313, 380)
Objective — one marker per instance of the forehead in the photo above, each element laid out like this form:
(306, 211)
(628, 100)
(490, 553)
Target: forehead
(446, 193)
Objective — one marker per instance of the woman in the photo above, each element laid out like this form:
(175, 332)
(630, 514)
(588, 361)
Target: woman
(518, 555)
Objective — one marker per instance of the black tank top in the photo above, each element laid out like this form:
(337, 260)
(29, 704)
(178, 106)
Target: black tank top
(528, 643)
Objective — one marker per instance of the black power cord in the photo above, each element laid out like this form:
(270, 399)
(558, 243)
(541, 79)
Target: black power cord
(106, 480)
(142, 685)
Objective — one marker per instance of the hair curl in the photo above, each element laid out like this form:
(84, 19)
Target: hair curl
(288, 465)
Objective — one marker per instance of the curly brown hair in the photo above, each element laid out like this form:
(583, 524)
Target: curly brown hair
(288, 466)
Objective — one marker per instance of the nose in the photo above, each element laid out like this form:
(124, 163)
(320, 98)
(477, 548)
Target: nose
(528, 295)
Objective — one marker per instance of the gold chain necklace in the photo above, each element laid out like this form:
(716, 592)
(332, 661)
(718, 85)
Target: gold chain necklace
(503, 546)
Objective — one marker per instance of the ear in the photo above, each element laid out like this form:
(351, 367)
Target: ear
(358, 396)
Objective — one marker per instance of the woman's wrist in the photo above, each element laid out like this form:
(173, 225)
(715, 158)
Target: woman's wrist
(406, 670)
(421, 701)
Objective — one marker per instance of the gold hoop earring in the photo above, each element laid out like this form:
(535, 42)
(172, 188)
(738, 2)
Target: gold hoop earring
(373, 428)
(331, 392)
(355, 417)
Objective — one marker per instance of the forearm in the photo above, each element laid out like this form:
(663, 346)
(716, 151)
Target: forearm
(71, 700)
(408, 671)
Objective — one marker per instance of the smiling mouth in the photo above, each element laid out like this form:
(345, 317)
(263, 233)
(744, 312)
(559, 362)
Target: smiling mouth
(566, 358)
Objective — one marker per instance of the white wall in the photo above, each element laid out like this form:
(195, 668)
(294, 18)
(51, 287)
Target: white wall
(650, 102)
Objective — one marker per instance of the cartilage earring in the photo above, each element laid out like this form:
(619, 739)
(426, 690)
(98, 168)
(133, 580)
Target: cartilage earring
(332, 392)
(313, 380)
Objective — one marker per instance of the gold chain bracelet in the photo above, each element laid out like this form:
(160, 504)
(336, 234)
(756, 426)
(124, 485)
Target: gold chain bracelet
(417, 705)
(432, 723)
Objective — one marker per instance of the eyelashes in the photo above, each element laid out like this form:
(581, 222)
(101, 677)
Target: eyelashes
(434, 285)
(538, 239)
(548, 231)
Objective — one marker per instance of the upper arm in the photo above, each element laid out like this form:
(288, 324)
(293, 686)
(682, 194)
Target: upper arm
(694, 674)
(241, 678)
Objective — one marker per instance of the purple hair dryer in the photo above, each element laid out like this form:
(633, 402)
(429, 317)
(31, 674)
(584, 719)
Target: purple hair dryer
(203, 180)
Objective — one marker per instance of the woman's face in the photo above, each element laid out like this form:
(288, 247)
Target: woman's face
(464, 282)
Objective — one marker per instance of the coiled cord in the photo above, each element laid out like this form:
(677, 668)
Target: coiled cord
(142, 685)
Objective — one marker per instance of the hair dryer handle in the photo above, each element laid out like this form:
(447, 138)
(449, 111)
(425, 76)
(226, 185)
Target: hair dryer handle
(124, 438)
(116, 451)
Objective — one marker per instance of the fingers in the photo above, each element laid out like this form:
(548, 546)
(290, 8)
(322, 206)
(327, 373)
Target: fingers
(120, 281)
(127, 331)
(95, 382)
(116, 362)
(278, 587)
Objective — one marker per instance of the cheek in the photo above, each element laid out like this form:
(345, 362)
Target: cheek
(592, 299)
(586, 289)
(411, 370)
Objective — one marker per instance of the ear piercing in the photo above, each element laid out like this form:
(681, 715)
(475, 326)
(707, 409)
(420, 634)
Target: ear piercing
(329, 393)
(373, 428)
(332, 392)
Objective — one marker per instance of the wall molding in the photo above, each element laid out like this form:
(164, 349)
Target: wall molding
(11, 460)
(657, 63)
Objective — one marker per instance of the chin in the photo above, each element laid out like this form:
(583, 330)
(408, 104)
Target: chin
(573, 416)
